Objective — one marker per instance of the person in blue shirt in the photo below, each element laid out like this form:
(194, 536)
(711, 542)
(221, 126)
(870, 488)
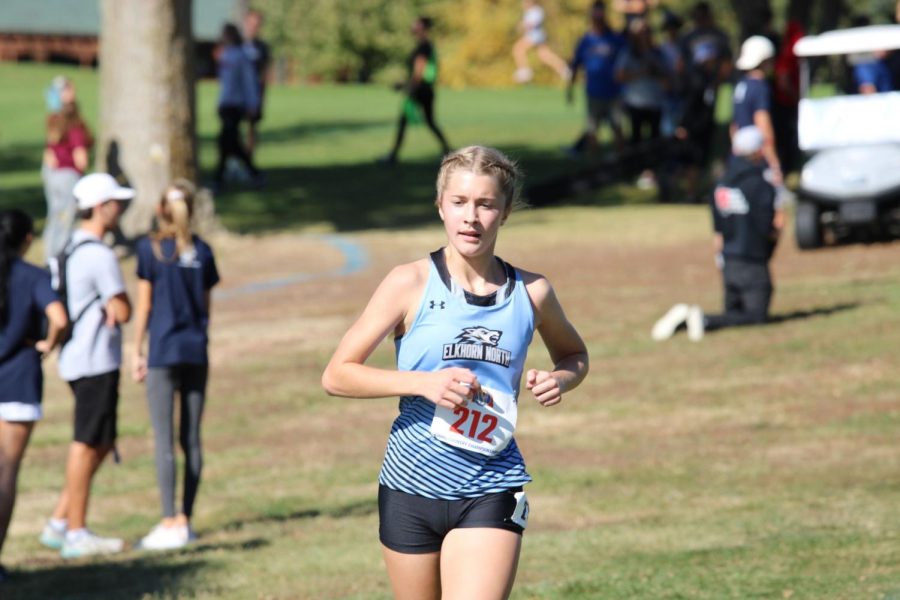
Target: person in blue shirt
(872, 75)
(25, 298)
(451, 506)
(597, 52)
(752, 104)
(176, 272)
(239, 98)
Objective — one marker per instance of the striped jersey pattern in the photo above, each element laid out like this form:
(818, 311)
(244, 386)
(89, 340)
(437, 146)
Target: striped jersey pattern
(492, 341)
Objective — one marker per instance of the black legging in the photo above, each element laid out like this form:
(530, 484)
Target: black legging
(424, 97)
(230, 143)
(644, 116)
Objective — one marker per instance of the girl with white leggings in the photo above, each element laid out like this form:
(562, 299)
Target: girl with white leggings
(176, 271)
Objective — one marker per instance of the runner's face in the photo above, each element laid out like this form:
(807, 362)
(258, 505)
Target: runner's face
(472, 208)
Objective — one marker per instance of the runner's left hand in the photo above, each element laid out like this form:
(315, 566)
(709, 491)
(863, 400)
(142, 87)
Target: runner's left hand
(544, 386)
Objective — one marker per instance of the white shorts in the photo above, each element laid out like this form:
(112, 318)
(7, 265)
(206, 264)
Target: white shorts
(20, 411)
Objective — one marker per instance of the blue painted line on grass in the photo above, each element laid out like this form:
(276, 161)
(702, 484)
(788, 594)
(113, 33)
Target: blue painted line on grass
(355, 259)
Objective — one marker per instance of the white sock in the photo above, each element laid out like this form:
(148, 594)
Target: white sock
(73, 535)
(58, 524)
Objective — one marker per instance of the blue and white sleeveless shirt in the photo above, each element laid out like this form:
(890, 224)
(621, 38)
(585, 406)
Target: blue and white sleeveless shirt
(449, 455)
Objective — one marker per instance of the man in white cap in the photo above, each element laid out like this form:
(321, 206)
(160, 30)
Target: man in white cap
(753, 98)
(98, 304)
(747, 227)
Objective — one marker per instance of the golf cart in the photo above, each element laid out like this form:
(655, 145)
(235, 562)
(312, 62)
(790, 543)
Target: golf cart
(851, 184)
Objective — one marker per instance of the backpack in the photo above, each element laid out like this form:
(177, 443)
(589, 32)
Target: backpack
(58, 281)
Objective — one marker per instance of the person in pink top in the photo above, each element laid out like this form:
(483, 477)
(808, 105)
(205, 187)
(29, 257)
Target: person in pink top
(65, 161)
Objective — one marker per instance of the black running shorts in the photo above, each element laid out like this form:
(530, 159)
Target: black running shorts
(417, 525)
(96, 404)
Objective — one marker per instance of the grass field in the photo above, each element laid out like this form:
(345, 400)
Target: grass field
(760, 463)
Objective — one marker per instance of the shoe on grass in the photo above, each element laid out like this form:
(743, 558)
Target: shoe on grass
(166, 538)
(87, 543)
(696, 326)
(53, 537)
(668, 324)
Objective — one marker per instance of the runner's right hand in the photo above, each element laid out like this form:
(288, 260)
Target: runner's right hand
(450, 387)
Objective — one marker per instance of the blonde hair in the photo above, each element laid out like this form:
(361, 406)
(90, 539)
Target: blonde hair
(176, 210)
(483, 160)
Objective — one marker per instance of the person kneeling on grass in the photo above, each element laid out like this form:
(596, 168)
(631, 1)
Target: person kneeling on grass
(747, 224)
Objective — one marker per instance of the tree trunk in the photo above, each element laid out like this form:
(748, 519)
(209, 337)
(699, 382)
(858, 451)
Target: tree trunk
(147, 102)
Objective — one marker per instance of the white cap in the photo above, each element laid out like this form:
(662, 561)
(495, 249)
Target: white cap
(747, 140)
(754, 51)
(98, 188)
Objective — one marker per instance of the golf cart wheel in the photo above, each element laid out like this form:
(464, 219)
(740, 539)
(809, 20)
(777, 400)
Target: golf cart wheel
(808, 225)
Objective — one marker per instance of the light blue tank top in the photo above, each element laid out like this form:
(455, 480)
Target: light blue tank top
(448, 331)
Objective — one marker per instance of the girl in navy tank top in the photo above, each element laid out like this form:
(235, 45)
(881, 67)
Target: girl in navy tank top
(451, 506)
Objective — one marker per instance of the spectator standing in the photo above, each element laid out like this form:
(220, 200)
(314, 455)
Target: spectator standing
(65, 159)
(747, 227)
(419, 88)
(693, 136)
(238, 99)
(706, 31)
(176, 272)
(261, 58)
(633, 9)
(753, 98)
(786, 98)
(597, 51)
(534, 36)
(90, 360)
(672, 51)
(641, 70)
(25, 297)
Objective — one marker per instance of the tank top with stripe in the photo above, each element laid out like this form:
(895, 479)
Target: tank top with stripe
(453, 328)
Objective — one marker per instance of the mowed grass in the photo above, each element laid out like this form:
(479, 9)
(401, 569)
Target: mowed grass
(760, 463)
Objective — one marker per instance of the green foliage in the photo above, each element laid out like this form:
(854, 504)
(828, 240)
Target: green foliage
(339, 39)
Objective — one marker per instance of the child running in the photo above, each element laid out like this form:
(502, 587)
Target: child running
(176, 271)
(25, 297)
(452, 510)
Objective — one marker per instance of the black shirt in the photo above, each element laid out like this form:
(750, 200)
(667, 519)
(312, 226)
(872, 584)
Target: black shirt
(424, 49)
(743, 208)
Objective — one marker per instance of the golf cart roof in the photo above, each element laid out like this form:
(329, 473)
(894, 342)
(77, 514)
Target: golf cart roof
(850, 41)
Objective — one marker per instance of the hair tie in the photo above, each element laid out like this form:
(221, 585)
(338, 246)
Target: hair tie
(174, 194)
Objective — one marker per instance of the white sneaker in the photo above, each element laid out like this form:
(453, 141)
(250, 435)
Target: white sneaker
(165, 538)
(695, 326)
(90, 544)
(666, 326)
(52, 537)
(523, 75)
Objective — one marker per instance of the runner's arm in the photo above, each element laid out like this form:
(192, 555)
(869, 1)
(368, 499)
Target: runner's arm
(347, 374)
(567, 350)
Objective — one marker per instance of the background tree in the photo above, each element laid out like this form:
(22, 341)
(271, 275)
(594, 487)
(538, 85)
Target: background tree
(147, 102)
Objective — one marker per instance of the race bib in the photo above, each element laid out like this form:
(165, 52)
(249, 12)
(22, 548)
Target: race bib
(485, 425)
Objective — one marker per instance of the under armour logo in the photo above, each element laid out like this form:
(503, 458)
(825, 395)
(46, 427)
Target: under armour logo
(439, 304)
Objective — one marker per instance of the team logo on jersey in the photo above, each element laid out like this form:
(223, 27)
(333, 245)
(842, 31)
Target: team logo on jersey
(478, 343)
(731, 201)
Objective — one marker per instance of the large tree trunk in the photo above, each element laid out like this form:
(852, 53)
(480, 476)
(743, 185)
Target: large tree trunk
(147, 103)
